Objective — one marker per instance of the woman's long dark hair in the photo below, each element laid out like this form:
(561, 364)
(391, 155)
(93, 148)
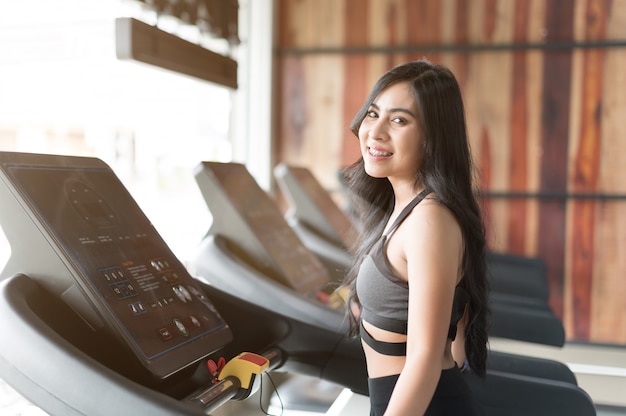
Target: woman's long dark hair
(447, 170)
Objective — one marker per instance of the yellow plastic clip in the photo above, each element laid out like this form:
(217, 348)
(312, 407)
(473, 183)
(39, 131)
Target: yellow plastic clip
(243, 366)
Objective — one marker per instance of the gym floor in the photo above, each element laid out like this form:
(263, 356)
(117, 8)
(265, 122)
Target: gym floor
(600, 371)
(13, 404)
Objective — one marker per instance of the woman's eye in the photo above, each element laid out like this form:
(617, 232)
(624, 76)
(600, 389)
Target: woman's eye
(398, 120)
(372, 114)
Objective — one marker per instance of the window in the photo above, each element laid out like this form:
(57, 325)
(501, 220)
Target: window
(63, 91)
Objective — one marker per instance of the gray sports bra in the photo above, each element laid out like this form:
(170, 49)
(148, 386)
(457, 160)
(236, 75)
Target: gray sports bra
(384, 296)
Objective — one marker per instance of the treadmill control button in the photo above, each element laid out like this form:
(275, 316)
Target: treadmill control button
(137, 308)
(165, 334)
(182, 293)
(195, 321)
(181, 327)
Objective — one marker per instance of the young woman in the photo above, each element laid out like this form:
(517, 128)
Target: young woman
(419, 281)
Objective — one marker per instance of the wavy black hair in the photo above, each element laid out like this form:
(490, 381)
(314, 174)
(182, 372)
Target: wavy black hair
(447, 170)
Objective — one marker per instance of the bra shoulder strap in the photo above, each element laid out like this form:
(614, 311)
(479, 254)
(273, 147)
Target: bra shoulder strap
(407, 210)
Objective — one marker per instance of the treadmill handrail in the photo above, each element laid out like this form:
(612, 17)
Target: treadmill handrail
(67, 381)
(214, 254)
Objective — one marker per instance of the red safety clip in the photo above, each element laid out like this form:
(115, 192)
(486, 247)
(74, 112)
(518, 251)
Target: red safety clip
(216, 368)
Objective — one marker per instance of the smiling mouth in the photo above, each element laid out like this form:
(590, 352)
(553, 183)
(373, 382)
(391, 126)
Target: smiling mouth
(378, 153)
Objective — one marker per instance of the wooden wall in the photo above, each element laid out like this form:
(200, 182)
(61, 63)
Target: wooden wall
(544, 83)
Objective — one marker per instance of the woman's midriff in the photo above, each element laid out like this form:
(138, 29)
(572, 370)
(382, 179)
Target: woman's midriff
(381, 365)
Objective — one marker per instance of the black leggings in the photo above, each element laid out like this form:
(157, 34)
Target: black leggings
(452, 395)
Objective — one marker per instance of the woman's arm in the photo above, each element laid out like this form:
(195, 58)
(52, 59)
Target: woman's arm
(428, 254)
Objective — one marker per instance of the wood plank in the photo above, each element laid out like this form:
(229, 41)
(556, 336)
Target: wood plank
(392, 20)
(585, 170)
(285, 34)
(384, 28)
(554, 139)
(608, 309)
(494, 72)
(486, 204)
(292, 107)
(534, 85)
(518, 157)
(323, 142)
(324, 102)
(461, 63)
(423, 19)
(567, 266)
(575, 108)
(309, 23)
(355, 74)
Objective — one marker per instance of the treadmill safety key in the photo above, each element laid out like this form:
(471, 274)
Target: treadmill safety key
(244, 367)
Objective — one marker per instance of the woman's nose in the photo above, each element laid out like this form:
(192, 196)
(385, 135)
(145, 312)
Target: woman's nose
(377, 131)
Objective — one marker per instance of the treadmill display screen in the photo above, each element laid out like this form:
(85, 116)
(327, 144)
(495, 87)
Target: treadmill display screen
(140, 287)
(321, 199)
(278, 245)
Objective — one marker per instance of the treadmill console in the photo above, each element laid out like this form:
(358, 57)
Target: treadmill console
(75, 229)
(252, 223)
(313, 205)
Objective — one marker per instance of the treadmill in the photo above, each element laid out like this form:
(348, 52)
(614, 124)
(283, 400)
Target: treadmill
(98, 315)
(317, 220)
(251, 252)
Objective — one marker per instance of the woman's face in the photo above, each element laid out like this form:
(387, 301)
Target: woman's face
(391, 135)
